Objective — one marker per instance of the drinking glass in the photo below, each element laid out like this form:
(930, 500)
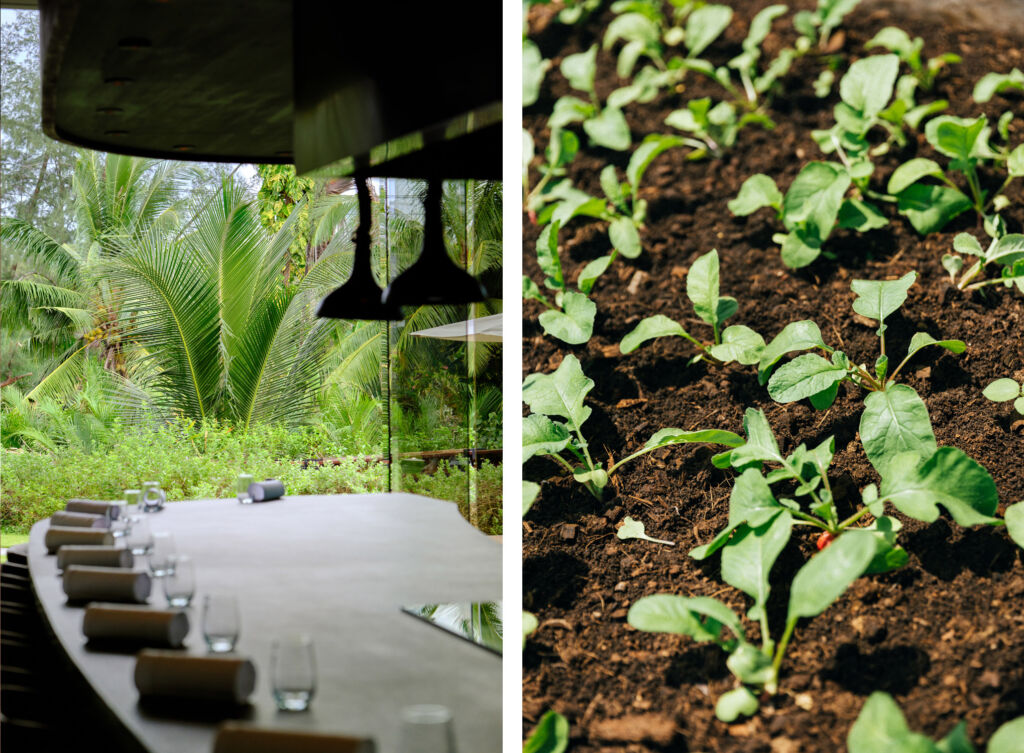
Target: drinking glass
(159, 554)
(242, 488)
(133, 497)
(292, 672)
(153, 497)
(138, 537)
(220, 622)
(427, 729)
(180, 581)
(117, 519)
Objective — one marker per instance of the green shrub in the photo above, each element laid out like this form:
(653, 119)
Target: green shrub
(451, 484)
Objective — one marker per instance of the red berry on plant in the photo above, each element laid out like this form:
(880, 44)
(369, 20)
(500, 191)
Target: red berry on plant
(824, 540)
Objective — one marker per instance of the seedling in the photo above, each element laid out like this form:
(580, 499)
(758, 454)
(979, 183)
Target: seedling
(817, 26)
(1006, 253)
(714, 129)
(634, 529)
(571, 318)
(929, 206)
(529, 625)
(922, 72)
(605, 126)
(573, 11)
(550, 736)
(531, 491)
(534, 69)
(1006, 389)
(561, 395)
(735, 343)
(760, 525)
(895, 418)
(882, 726)
(996, 83)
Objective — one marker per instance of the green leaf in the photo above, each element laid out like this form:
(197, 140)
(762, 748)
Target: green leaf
(591, 272)
(802, 377)
(632, 27)
(881, 727)
(868, 85)
(895, 40)
(735, 703)
(542, 436)
(756, 192)
(609, 129)
(861, 216)
(912, 171)
(949, 478)
(703, 27)
(965, 243)
(814, 198)
(739, 343)
(649, 149)
(560, 394)
(992, 83)
(956, 741)
(567, 109)
(824, 399)
(923, 339)
(800, 249)
(1015, 162)
(955, 137)
(802, 335)
(750, 665)
(888, 556)
(749, 556)
(930, 207)
(531, 491)
(761, 26)
(624, 237)
(702, 287)
(634, 529)
(894, 421)
(700, 617)
(579, 69)
(667, 437)
(825, 577)
(1002, 390)
(876, 299)
(575, 323)
(1014, 518)
(1006, 250)
(529, 625)
(658, 325)
(751, 501)
(550, 736)
(548, 259)
(596, 477)
(1007, 738)
(761, 445)
(534, 68)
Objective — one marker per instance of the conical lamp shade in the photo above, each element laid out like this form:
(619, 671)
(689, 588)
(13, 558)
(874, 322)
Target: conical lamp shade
(360, 297)
(434, 279)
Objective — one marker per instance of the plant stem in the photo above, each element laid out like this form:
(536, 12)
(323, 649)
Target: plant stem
(780, 652)
(853, 518)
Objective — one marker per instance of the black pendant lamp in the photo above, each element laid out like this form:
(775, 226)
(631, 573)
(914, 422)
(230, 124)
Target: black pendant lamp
(434, 279)
(360, 297)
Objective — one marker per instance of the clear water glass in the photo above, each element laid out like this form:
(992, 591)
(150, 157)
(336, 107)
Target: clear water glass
(242, 488)
(133, 497)
(221, 623)
(427, 729)
(117, 519)
(160, 553)
(138, 538)
(153, 497)
(292, 672)
(180, 581)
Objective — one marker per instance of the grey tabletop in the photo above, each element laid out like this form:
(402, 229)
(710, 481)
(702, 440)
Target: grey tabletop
(338, 568)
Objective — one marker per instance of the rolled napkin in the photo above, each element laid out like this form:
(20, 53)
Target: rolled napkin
(93, 506)
(58, 536)
(97, 556)
(135, 624)
(83, 583)
(79, 519)
(264, 491)
(233, 737)
(218, 679)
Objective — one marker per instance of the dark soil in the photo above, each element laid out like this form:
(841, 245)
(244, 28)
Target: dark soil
(945, 634)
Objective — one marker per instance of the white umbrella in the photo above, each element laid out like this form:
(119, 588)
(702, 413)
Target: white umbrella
(486, 329)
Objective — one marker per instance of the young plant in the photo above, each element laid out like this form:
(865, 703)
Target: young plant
(760, 525)
(634, 529)
(573, 11)
(714, 129)
(1007, 253)
(922, 72)
(930, 206)
(996, 83)
(895, 418)
(550, 736)
(560, 395)
(534, 69)
(1006, 389)
(735, 343)
(571, 318)
(881, 726)
(605, 126)
(817, 26)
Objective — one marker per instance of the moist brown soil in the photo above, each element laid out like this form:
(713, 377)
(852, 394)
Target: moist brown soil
(945, 634)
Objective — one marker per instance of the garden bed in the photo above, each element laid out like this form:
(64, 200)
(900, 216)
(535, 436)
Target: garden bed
(945, 633)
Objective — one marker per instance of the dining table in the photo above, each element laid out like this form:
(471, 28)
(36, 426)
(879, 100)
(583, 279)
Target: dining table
(338, 568)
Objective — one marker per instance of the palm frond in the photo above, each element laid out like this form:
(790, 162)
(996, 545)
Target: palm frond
(58, 260)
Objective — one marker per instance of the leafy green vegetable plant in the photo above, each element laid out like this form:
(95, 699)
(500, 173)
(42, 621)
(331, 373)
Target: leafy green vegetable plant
(922, 71)
(1007, 253)
(1006, 389)
(995, 83)
(571, 318)
(817, 26)
(572, 11)
(560, 395)
(714, 129)
(606, 126)
(735, 343)
(881, 726)
(534, 69)
(760, 525)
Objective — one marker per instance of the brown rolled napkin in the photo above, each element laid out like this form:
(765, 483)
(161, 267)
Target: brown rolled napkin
(233, 737)
(79, 519)
(135, 624)
(93, 506)
(97, 556)
(83, 583)
(218, 679)
(58, 536)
